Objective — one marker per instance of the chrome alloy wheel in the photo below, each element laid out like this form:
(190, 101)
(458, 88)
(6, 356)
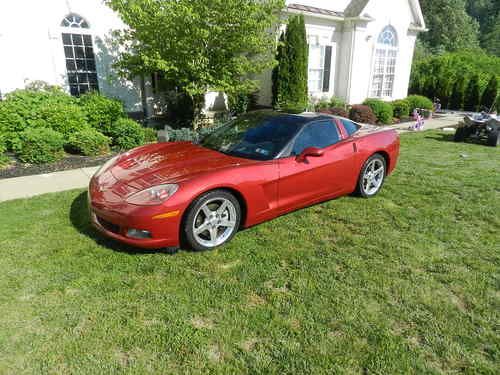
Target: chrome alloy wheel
(214, 222)
(373, 177)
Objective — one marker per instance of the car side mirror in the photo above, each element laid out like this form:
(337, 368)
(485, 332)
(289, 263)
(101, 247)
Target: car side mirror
(310, 151)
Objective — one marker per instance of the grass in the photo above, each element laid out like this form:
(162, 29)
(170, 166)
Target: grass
(407, 282)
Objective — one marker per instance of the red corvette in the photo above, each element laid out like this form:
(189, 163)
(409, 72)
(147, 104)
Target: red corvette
(252, 169)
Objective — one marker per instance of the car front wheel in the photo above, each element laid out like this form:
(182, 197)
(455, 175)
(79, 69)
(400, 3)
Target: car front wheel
(372, 176)
(212, 220)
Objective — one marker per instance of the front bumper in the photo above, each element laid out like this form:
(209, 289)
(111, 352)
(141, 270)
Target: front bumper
(115, 220)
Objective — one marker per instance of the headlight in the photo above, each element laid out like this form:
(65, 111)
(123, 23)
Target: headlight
(106, 165)
(154, 195)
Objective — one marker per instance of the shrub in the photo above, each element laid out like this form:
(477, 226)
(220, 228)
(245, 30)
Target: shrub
(336, 111)
(472, 94)
(43, 107)
(421, 102)
(490, 93)
(362, 114)
(451, 67)
(401, 108)
(457, 94)
(336, 102)
(238, 103)
(39, 145)
(89, 142)
(3, 143)
(322, 105)
(65, 118)
(382, 110)
(127, 134)
(101, 111)
(23, 109)
(150, 135)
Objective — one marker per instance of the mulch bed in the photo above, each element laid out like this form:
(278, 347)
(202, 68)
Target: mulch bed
(18, 169)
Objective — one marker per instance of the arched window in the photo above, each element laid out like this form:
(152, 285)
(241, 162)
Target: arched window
(74, 20)
(384, 68)
(79, 54)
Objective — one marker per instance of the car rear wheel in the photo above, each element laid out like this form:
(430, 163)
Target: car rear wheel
(494, 138)
(372, 176)
(212, 220)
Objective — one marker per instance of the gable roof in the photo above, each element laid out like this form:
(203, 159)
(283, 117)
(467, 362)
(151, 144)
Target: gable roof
(354, 9)
(314, 10)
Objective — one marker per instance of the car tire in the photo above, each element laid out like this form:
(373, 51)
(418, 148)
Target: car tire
(493, 138)
(371, 180)
(211, 220)
(459, 135)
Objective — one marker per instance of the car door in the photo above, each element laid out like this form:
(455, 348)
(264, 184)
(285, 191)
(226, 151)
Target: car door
(303, 182)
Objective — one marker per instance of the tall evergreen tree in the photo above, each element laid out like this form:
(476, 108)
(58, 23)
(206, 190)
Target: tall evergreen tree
(278, 80)
(490, 93)
(457, 94)
(291, 85)
(472, 94)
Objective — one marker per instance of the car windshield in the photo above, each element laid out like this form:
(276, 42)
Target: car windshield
(257, 136)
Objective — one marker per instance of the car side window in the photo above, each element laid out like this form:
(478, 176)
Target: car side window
(350, 126)
(319, 134)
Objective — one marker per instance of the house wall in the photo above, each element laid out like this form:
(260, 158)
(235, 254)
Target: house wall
(355, 42)
(31, 45)
(400, 16)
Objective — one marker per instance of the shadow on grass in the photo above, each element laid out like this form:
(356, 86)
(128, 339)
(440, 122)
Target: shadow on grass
(449, 137)
(79, 216)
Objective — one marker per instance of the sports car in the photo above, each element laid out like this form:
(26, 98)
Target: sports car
(252, 169)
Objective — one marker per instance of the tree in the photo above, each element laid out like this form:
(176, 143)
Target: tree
(280, 58)
(450, 27)
(491, 39)
(472, 94)
(197, 44)
(457, 94)
(487, 14)
(490, 93)
(291, 77)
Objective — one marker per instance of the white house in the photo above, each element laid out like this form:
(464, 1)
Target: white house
(357, 48)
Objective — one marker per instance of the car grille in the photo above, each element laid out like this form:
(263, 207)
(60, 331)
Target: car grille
(108, 226)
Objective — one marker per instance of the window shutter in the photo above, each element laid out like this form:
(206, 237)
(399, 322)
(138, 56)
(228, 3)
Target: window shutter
(327, 65)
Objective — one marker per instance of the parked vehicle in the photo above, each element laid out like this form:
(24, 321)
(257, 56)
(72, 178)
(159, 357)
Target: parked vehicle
(481, 126)
(254, 168)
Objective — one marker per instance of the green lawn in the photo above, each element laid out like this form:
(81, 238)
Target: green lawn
(408, 282)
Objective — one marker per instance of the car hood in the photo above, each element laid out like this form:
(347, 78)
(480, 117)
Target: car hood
(165, 163)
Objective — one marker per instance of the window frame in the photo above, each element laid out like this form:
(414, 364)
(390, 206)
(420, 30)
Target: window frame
(83, 32)
(322, 36)
(287, 150)
(386, 72)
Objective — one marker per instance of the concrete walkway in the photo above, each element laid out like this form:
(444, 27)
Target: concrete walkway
(449, 120)
(29, 186)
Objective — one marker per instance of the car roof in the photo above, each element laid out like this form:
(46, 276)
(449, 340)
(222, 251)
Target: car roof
(299, 119)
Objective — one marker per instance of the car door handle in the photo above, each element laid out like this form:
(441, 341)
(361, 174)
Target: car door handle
(354, 147)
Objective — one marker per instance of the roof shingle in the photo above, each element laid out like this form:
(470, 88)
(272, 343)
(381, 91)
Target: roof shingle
(310, 9)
